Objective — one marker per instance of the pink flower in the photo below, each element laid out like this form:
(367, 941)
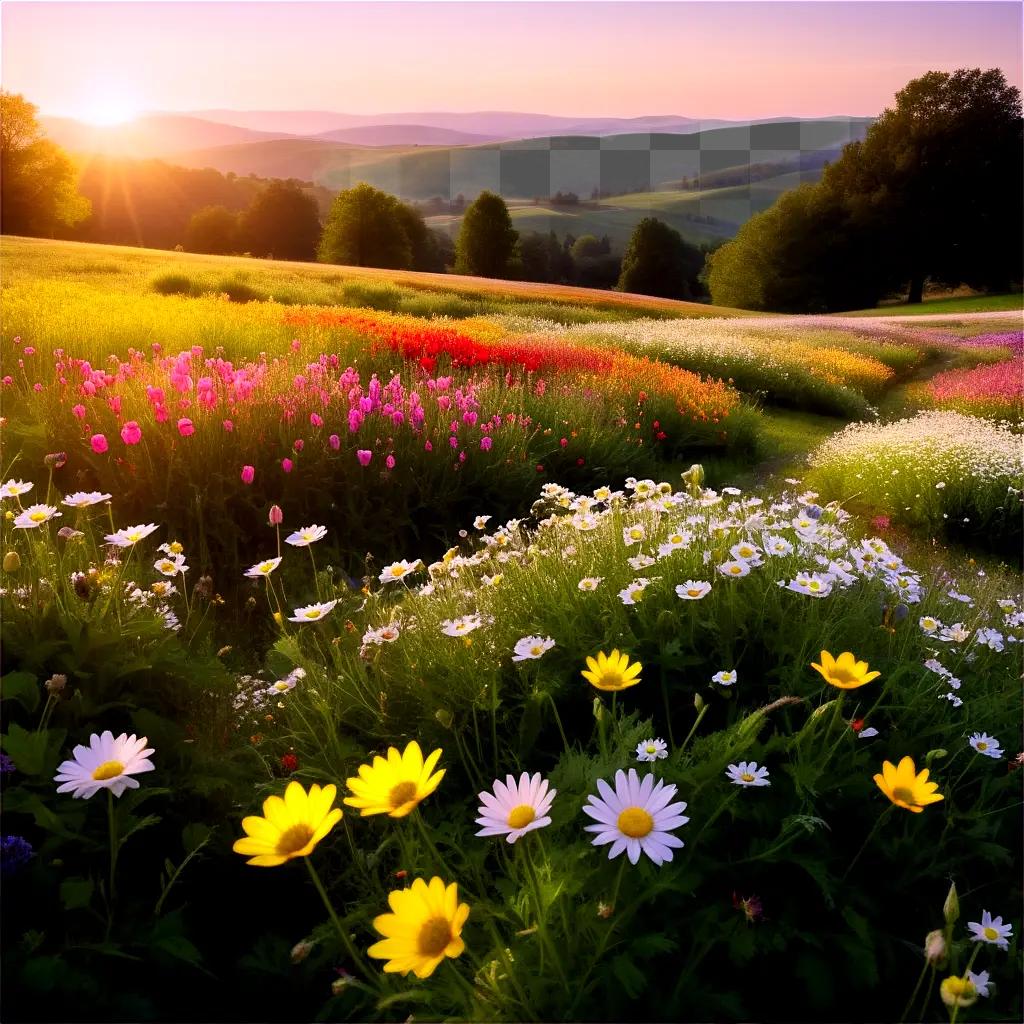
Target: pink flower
(131, 433)
(334, 441)
(299, 444)
(485, 444)
(364, 457)
(79, 410)
(276, 516)
(115, 405)
(316, 419)
(185, 427)
(229, 426)
(248, 473)
(29, 350)
(99, 443)
(564, 441)
(287, 465)
(390, 462)
(428, 447)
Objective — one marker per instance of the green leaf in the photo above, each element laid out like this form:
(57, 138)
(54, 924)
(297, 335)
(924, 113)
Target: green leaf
(22, 687)
(194, 836)
(76, 893)
(630, 977)
(34, 753)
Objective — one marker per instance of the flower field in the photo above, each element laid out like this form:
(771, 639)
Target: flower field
(366, 665)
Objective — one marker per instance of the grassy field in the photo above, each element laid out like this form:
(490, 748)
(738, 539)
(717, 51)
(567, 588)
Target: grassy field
(962, 304)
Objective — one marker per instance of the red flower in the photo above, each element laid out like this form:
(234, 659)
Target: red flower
(289, 762)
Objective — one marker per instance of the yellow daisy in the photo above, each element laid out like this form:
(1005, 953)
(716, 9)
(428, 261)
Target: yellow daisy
(905, 787)
(290, 827)
(396, 785)
(424, 928)
(844, 672)
(612, 671)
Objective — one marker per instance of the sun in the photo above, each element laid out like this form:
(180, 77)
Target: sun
(108, 110)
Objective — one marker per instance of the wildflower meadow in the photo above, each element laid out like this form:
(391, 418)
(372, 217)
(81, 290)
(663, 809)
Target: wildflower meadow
(488, 659)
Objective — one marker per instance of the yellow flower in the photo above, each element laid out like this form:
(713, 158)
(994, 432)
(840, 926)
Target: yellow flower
(844, 672)
(612, 671)
(426, 926)
(905, 787)
(290, 827)
(958, 991)
(396, 785)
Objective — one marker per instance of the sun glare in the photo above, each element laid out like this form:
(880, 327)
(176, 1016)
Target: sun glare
(108, 111)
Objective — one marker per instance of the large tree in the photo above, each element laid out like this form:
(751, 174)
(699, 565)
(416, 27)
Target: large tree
(939, 176)
(283, 222)
(486, 246)
(39, 180)
(213, 229)
(368, 228)
(658, 261)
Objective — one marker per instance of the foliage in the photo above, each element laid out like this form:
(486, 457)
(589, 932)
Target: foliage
(213, 229)
(283, 221)
(39, 179)
(366, 228)
(486, 245)
(658, 262)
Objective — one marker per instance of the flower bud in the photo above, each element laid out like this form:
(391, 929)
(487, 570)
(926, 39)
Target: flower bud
(12, 562)
(301, 950)
(56, 683)
(276, 516)
(698, 702)
(935, 947)
(935, 755)
(957, 991)
(55, 460)
(444, 716)
(599, 712)
(951, 908)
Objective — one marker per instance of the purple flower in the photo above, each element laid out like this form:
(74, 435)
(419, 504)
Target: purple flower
(364, 456)
(15, 853)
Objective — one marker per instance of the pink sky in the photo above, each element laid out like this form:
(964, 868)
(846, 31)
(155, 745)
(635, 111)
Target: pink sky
(728, 60)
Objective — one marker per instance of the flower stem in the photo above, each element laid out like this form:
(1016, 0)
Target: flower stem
(878, 822)
(346, 941)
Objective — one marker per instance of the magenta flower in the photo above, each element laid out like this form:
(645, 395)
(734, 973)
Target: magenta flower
(131, 432)
(299, 444)
(334, 441)
(229, 426)
(316, 420)
(364, 457)
(287, 465)
(79, 410)
(99, 443)
(390, 462)
(248, 474)
(276, 516)
(485, 444)
(185, 427)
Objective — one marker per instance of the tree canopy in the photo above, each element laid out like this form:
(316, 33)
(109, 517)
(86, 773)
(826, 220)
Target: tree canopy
(486, 246)
(657, 261)
(40, 190)
(283, 222)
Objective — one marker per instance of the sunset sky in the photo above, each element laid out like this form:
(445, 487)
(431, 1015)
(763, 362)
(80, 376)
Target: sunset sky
(727, 60)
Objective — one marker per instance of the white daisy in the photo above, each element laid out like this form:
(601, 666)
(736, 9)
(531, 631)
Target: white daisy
(83, 499)
(928, 624)
(777, 546)
(312, 612)
(651, 750)
(383, 635)
(811, 584)
(515, 808)
(633, 534)
(481, 522)
(306, 536)
(735, 569)
(745, 551)
(991, 930)
(130, 535)
(531, 647)
(724, 678)
(174, 547)
(264, 568)
(693, 590)
(399, 570)
(746, 773)
(171, 566)
(35, 515)
(12, 488)
(589, 583)
(636, 817)
(107, 763)
(980, 982)
(987, 745)
(461, 626)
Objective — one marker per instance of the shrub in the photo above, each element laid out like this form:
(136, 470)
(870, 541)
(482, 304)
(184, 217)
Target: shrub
(173, 284)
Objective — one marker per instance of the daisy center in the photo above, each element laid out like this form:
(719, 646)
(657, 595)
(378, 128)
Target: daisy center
(693, 592)
(991, 934)
(37, 517)
(521, 816)
(313, 613)
(981, 745)
(402, 793)
(903, 794)
(435, 934)
(294, 839)
(635, 822)
(747, 777)
(651, 748)
(536, 650)
(108, 770)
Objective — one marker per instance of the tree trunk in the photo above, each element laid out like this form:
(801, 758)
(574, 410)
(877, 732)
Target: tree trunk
(916, 292)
